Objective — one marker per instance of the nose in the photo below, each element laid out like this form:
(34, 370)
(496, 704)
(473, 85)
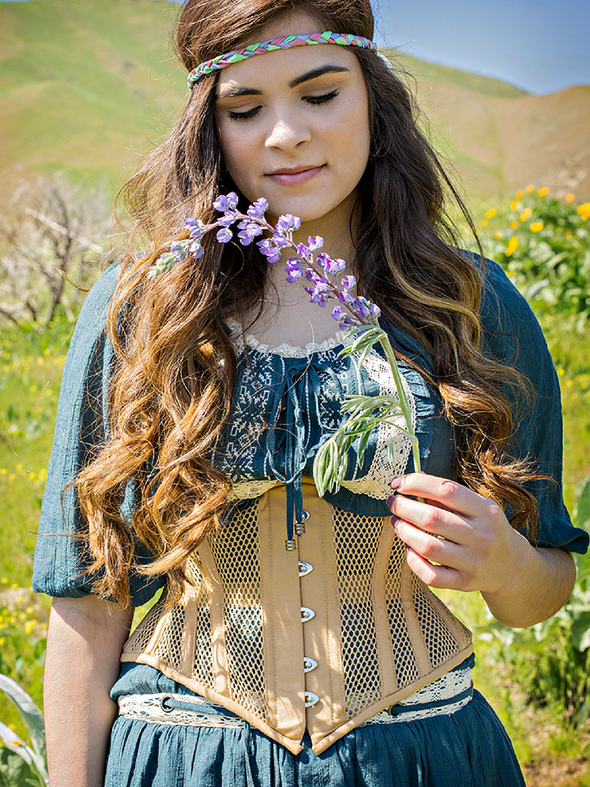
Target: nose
(287, 132)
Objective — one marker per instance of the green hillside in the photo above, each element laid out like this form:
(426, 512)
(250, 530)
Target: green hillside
(87, 86)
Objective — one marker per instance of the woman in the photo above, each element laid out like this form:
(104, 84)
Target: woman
(187, 431)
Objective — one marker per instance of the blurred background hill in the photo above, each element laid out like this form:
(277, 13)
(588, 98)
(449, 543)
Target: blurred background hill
(87, 86)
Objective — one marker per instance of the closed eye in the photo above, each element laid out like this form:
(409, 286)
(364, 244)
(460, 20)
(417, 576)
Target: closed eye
(321, 99)
(243, 115)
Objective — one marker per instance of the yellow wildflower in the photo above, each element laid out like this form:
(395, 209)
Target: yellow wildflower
(30, 627)
(484, 223)
(32, 388)
(46, 351)
(514, 225)
(512, 246)
(498, 234)
(561, 372)
(526, 214)
(570, 197)
(584, 210)
(19, 467)
(568, 234)
(543, 191)
(490, 213)
(3, 471)
(520, 193)
(537, 226)
(530, 187)
(514, 205)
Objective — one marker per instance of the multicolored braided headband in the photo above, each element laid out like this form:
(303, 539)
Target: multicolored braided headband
(285, 42)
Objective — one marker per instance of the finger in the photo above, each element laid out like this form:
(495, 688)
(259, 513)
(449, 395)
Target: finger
(433, 519)
(450, 494)
(430, 547)
(434, 576)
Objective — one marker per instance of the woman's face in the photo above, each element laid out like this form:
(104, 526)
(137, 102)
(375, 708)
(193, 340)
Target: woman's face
(294, 125)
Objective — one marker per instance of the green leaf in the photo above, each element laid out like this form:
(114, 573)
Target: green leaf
(35, 762)
(30, 713)
(582, 505)
(16, 772)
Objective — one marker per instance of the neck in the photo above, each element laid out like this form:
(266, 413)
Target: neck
(334, 228)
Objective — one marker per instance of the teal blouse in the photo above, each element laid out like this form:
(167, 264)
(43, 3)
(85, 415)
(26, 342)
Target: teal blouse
(284, 407)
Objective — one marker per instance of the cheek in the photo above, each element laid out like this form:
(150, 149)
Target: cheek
(238, 155)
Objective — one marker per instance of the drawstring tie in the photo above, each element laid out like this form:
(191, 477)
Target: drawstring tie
(288, 419)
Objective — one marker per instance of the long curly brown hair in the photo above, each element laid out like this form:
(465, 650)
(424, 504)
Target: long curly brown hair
(173, 388)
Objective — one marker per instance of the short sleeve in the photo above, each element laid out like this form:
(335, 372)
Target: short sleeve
(61, 557)
(513, 336)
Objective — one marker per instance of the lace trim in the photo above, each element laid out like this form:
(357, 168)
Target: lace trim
(285, 350)
(375, 483)
(150, 707)
(246, 490)
(153, 707)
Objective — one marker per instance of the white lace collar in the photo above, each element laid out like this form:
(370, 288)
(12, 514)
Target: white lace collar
(241, 339)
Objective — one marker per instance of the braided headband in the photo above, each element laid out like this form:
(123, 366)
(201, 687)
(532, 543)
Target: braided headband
(285, 42)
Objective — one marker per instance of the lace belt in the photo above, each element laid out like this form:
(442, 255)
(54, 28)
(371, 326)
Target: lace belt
(444, 696)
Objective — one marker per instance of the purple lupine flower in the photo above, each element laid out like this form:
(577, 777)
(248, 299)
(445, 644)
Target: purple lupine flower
(248, 231)
(269, 250)
(294, 270)
(317, 296)
(196, 249)
(179, 249)
(288, 223)
(336, 266)
(226, 202)
(348, 282)
(195, 227)
(224, 235)
(304, 251)
(344, 321)
(257, 209)
(315, 243)
(226, 220)
(279, 240)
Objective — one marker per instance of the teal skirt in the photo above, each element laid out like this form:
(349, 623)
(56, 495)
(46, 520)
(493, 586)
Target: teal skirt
(468, 748)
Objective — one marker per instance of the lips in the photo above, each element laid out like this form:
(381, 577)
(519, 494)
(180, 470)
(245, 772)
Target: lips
(294, 176)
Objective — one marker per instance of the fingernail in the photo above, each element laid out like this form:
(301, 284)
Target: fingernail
(390, 501)
(396, 483)
(394, 521)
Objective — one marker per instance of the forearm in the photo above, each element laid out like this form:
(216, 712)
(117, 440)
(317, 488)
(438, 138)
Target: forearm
(539, 586)
(84, 644)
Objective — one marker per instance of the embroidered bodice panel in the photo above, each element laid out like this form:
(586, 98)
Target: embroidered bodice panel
(288, 401)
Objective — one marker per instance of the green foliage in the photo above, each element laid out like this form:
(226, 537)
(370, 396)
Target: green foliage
(33, 768)
(543, 244)
(551, 661)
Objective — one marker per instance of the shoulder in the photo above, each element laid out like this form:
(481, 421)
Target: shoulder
(93, 315)
(511, 332)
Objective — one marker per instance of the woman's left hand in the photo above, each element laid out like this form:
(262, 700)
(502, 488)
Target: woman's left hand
(458, 539)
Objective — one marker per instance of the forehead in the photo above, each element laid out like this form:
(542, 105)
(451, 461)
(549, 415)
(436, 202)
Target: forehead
(279, 68)
(284, 65)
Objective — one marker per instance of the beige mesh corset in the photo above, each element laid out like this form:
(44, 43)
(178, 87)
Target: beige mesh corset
(319, 639)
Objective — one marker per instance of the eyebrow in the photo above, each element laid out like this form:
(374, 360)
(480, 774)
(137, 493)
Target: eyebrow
(313, 74)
